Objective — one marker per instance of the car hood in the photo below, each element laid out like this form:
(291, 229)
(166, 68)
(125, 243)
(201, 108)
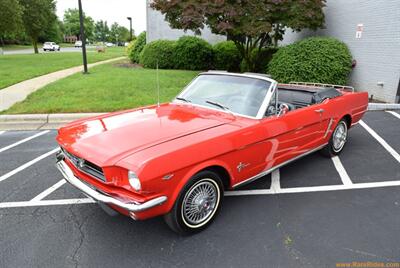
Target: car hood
(106, 139)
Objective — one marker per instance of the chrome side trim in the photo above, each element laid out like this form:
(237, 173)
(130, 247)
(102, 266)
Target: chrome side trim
(132, 207)
(328, 128)
(322, 85)
(266, 172)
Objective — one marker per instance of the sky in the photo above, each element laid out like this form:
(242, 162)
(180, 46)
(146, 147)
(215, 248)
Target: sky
(111, 11)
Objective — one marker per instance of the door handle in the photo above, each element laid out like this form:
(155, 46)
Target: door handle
(319, 111)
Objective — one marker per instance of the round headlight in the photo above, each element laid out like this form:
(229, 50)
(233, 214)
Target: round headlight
(134, 180)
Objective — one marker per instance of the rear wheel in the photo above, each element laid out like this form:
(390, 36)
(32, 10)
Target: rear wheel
(197, 204)
(337, 141)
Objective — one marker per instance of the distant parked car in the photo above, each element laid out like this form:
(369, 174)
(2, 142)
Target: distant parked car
(78, 44)
(51, 46)
(110, 44)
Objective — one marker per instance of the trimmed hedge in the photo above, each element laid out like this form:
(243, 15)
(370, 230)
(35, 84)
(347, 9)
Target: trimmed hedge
(137, 47)
(226, 56)
(161, 51)
(193, 53)
(315, 59)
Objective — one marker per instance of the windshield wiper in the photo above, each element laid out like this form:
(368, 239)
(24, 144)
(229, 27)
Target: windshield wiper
(182, 99)
(219, 105)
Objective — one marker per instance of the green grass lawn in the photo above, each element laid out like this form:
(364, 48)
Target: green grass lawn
(17, 68)
(107, 88)
(16, 47)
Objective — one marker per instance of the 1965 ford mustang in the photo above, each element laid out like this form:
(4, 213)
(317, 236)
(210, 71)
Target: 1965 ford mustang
(222, 131)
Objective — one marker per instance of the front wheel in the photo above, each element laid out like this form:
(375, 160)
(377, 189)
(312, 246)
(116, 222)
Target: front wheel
(197, 204)
(337, 141)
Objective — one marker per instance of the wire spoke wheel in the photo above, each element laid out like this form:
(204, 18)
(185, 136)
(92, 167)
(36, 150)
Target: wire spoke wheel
(339, 136)
(200, 203)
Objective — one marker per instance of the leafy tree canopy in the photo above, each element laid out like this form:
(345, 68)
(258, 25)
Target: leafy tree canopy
(118, 33)
(10, 17)
(101, 31)
(38, 15)
(250, 24)
(72, 25)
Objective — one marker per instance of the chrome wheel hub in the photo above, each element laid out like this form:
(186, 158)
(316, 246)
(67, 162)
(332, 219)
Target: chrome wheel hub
(339, 136)
(200, 202)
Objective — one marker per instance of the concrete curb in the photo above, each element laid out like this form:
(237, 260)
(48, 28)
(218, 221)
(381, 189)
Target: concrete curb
(383, 106)
(44, 118)
(39, 121)
(53, 121)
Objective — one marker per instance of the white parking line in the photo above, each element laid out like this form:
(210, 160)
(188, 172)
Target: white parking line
(47, 203)
(1, 132)
(341, 170)
(275, 181)
(310, 189)
(228, 193)
(394, 113)
(24, 140)
(49, 190)
(381, 141)
(26, 165)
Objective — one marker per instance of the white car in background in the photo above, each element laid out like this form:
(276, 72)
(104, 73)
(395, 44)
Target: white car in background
(51, 46)
(110, 44)
(78, 44)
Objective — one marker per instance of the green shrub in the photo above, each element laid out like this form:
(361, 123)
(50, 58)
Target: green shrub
(226, 56)
(261, 58)
(315, 59)
(130, 47)
(137, 48)
(161, 51)
(193, 53)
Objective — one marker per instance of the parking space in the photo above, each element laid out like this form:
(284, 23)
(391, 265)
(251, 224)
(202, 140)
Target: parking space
(315, 212)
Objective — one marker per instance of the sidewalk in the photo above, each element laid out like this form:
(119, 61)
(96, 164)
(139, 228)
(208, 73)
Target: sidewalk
(18, 92)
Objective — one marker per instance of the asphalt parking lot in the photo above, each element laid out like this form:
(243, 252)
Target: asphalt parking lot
(316, 212)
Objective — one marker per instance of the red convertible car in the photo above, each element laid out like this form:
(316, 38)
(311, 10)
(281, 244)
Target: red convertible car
(223, 130)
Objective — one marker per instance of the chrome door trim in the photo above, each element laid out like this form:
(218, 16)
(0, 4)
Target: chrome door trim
(266, 172)
(328, 128)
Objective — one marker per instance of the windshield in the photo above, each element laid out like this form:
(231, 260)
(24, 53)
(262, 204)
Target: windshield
(238, 94)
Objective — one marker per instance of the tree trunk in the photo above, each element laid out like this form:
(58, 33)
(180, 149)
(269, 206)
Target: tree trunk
(35, 45)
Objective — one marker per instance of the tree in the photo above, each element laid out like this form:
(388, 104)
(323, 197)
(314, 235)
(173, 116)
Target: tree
(101, 31)
(118, 33)
(72, 26)
(10, 18)
(37, 17)
(53, 33)
(251, 24)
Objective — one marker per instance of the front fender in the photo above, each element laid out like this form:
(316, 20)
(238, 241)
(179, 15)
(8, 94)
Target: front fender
(194, 170)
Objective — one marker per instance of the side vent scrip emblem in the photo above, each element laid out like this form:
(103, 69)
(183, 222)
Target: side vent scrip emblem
(241, 166)
(168, 176)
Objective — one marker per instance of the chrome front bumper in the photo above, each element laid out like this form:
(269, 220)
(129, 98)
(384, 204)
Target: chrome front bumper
(131, 207)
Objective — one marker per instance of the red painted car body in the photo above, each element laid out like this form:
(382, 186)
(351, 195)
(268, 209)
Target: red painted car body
(166, 145)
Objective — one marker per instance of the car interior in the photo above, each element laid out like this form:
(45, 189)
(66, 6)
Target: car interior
(292, 97)
(296, 97)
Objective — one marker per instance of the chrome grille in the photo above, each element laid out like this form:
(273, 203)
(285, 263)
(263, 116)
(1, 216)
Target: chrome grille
(85, 166)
